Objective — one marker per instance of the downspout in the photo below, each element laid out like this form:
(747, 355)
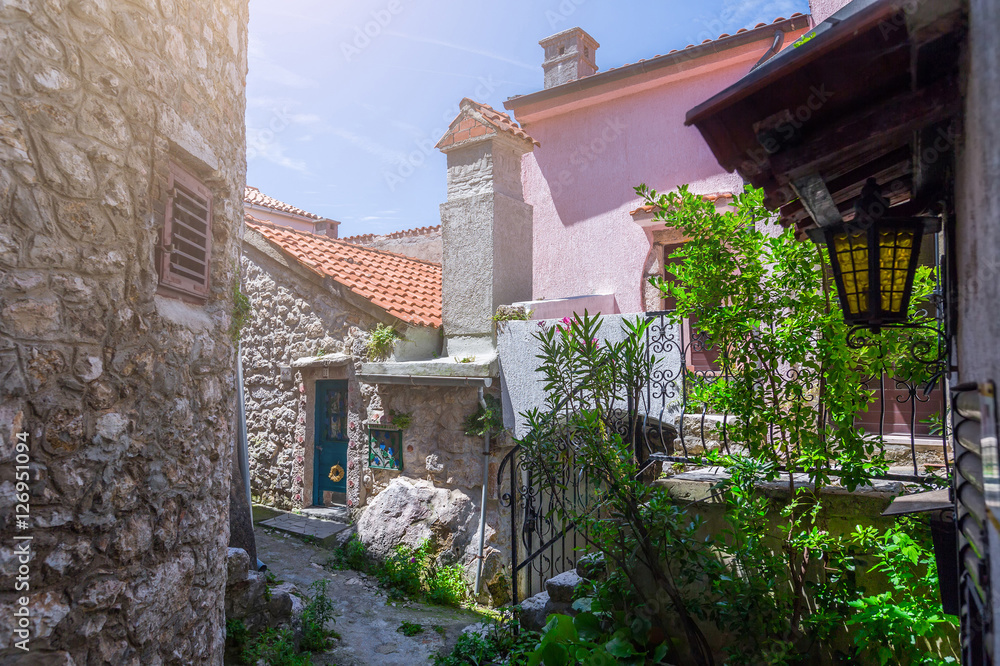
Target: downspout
(779, 39)
(242, 450)
(244, 453)
(482, 505)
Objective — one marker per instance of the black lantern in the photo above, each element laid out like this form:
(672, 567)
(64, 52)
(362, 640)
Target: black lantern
(874, 259)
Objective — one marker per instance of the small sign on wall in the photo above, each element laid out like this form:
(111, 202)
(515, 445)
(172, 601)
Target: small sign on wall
(385, 447)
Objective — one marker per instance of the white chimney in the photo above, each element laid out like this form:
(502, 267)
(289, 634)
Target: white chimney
(569, 55)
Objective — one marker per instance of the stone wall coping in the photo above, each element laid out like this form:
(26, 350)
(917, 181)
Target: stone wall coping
(324, 361)
(485, 366)
(699, 486)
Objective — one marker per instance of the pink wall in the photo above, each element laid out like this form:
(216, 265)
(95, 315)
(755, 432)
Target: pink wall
(821, 9)
(278, 217)
(594, 150)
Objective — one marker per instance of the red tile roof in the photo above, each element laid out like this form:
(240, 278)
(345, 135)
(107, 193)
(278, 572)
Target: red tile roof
(475, 120)
(406, 233)
(406, 288)
(255, 197)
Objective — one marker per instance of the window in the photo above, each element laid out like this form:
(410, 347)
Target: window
(185, 253)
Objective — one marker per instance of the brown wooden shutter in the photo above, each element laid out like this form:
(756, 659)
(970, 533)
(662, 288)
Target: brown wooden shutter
(186, 257)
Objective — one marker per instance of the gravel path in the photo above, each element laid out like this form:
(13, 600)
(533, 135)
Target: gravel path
(366, 620)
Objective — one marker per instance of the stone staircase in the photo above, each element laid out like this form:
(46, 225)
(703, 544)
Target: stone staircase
(558, 594)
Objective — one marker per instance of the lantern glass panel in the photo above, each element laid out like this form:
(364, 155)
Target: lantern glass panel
(850, 252)
(895, 249)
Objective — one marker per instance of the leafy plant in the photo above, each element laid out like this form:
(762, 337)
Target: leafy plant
(406, 572)
(382, 341)
(582, 640)
(317, 613)
(400, 420)
(511, 313)
(275, 647)
(485, 420)
(904, 625)
(242, 310)
(236, 634)
(499, 642)
(466, 359)
(410, 628)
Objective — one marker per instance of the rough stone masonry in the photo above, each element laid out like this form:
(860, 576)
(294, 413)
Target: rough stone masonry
(126, 396)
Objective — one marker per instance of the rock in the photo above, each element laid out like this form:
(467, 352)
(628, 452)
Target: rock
(560, 588)
(237, 566)
(591, 566)
(532, 615)
(411, 511)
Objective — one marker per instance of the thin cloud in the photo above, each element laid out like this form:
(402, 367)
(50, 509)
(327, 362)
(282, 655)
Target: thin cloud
(264, 69)
(463, 49)
(370, 146)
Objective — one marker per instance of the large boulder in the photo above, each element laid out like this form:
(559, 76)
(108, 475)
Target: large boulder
(411, 511)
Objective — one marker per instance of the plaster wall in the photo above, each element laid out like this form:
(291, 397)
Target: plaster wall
(520, 381)
(126, 399)
(820, 10)
(593, 151)
(978, 202)
(487, 242)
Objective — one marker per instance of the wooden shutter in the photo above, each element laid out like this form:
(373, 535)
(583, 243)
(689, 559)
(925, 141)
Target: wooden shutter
(186, 254)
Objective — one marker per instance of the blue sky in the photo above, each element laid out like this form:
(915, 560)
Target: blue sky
(346, 98)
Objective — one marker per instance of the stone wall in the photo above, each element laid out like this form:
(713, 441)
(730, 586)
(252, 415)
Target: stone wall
(126, 398)
(423, 243)
(295, 315)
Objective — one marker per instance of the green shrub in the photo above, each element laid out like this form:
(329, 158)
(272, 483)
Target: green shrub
(381, 342)
(485, 420)
(349, 555)
(315, 616)
(499, 643)
(407, 572)
(410, 628)
(277, 648)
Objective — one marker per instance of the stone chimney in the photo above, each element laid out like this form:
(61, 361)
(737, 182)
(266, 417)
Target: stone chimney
(569, 55)
(486, 227)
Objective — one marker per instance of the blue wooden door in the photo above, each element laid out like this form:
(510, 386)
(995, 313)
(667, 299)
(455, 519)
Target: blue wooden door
(330, 456)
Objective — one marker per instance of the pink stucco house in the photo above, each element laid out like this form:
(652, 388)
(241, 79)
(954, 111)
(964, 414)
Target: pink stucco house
(602, 133)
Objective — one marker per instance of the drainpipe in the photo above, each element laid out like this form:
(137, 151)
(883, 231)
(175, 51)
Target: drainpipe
(482, 505)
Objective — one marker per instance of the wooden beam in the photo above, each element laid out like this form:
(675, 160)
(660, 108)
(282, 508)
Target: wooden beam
(879, 128)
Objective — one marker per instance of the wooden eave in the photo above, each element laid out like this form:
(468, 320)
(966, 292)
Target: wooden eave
(864, 98)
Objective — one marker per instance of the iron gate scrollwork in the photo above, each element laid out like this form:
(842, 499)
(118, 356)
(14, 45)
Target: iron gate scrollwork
(909, 411)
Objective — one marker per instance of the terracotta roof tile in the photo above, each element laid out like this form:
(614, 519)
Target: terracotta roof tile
(406, 288)
(709, 41)
(254, 196)
(713, 196)
(406, 233)
(476, 119)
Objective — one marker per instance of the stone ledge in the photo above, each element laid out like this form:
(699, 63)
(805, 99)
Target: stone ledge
(699, 486)
(487, 366)
(325, 361)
